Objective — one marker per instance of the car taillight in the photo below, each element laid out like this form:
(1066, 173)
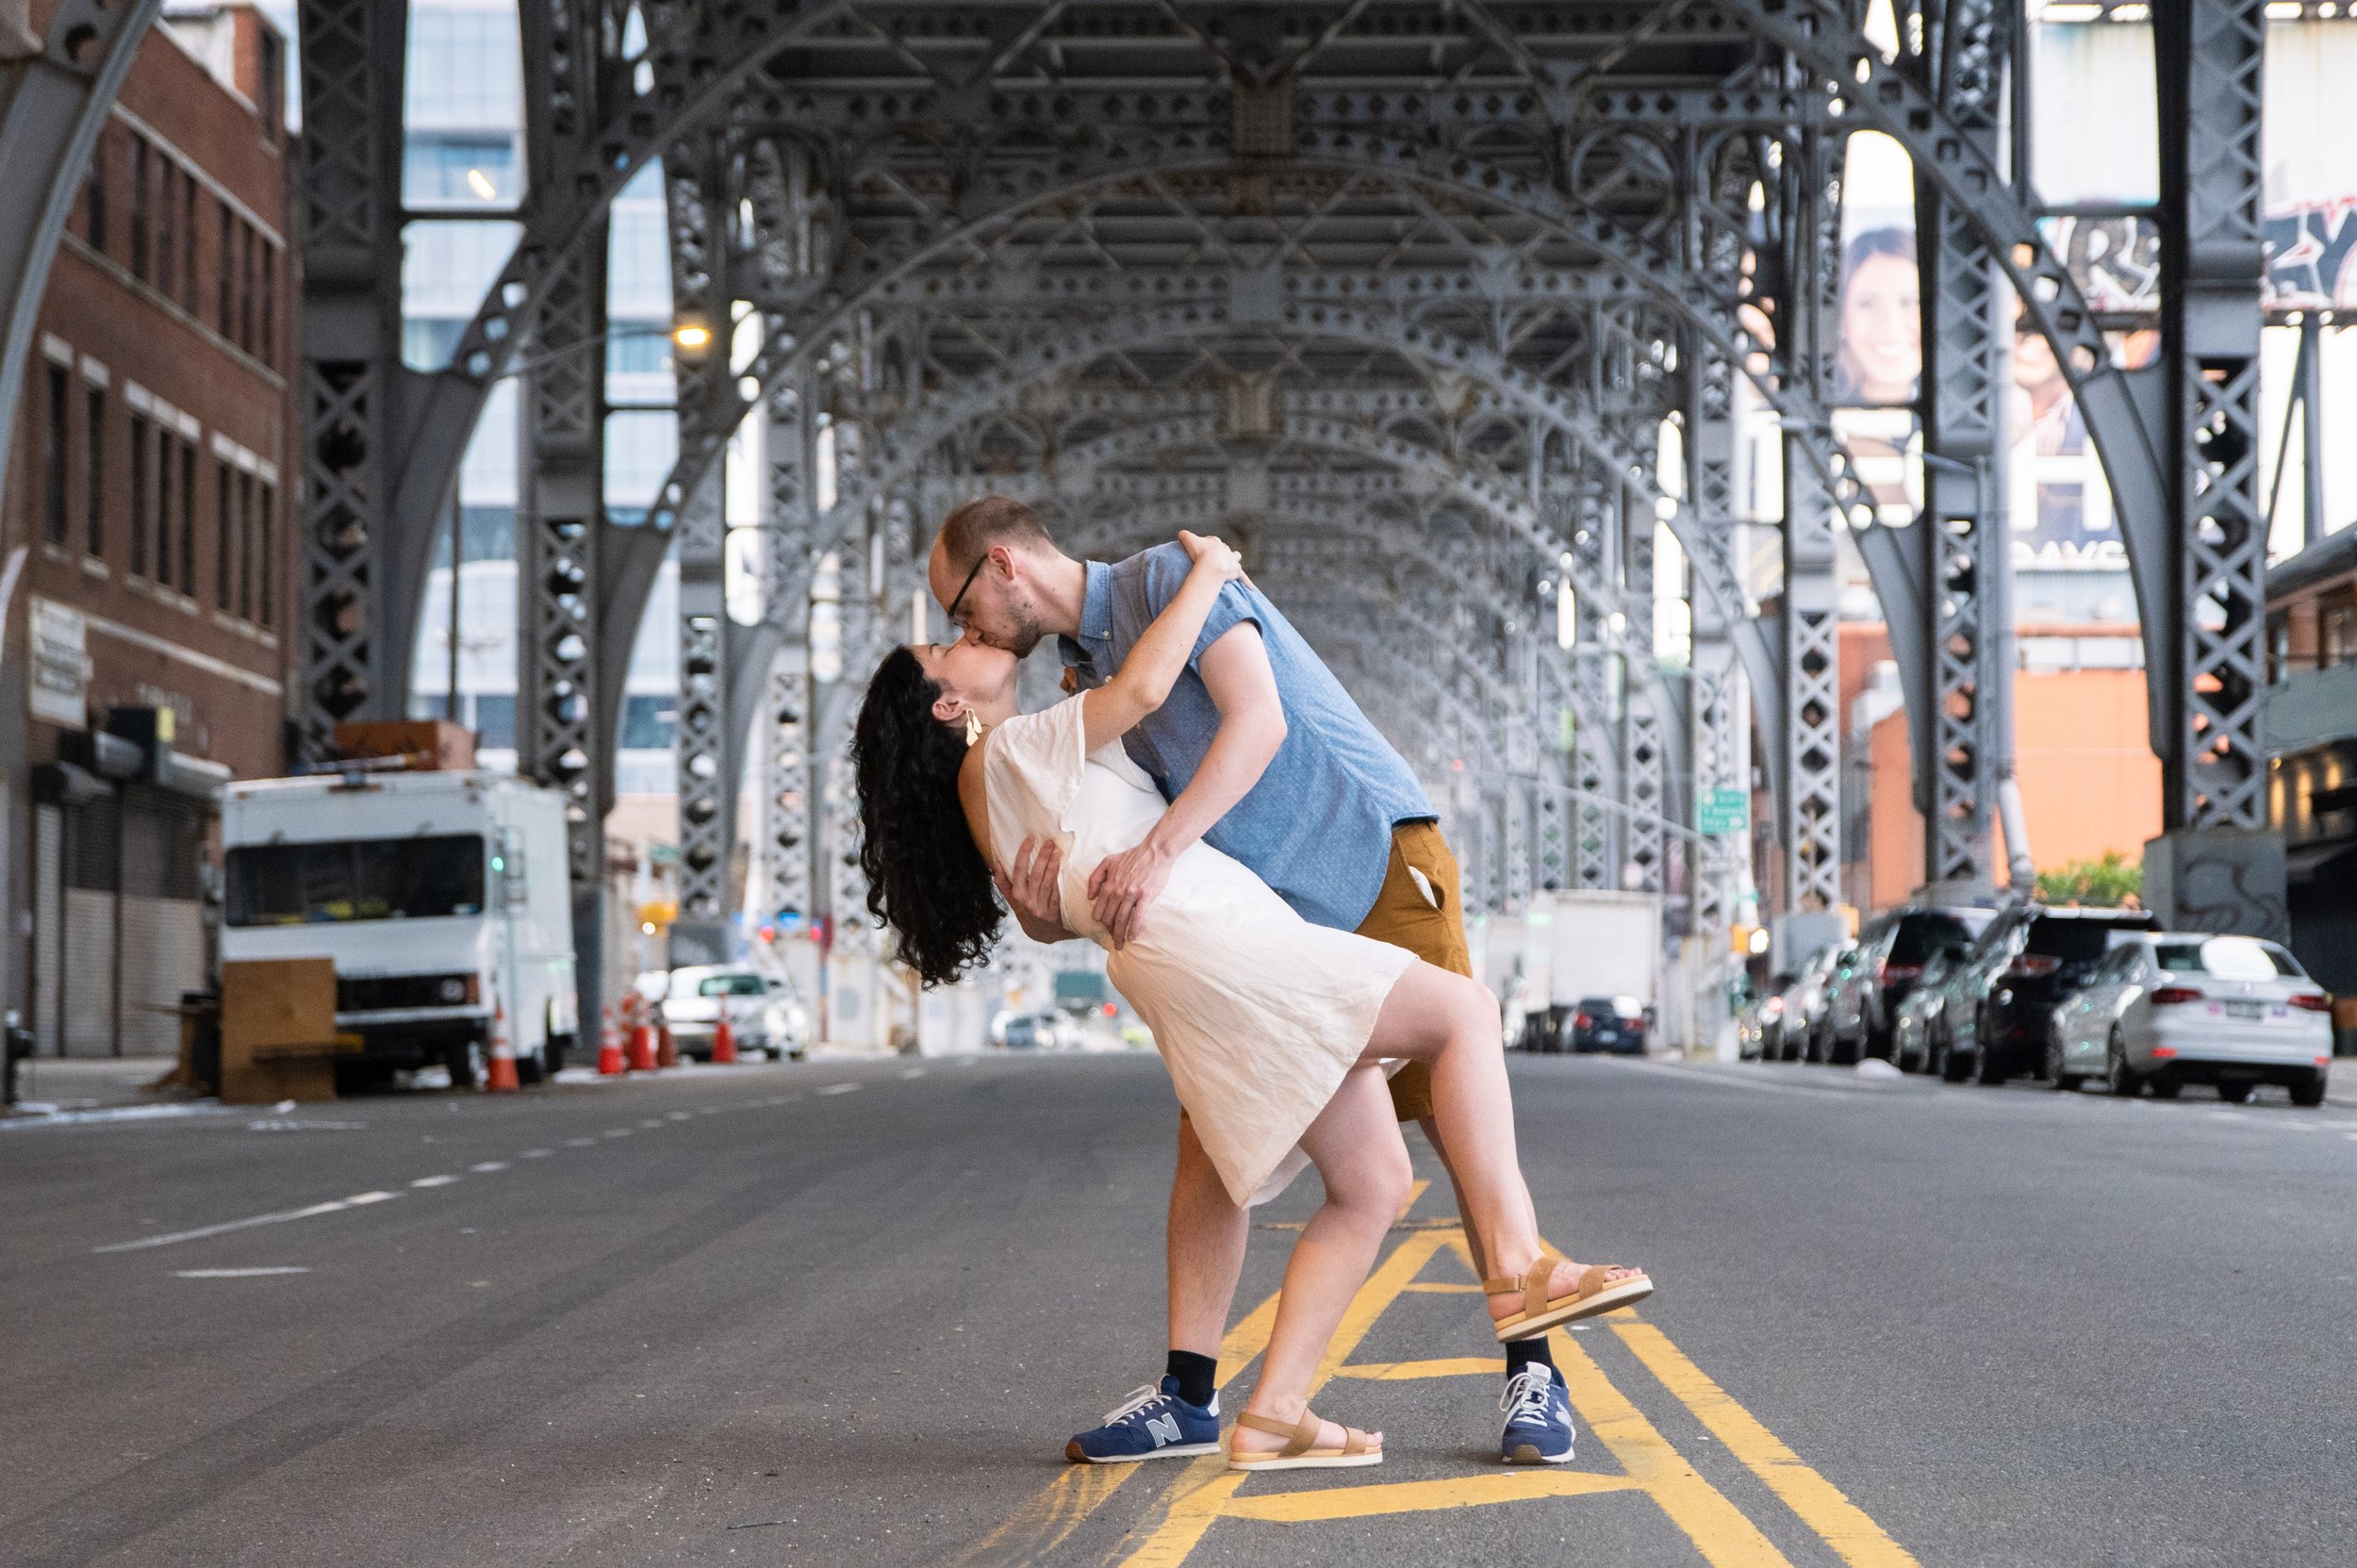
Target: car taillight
(2163, 1054)
(2314, 1003)
(2028, 966)
(1582, 1019)
(2168, 995)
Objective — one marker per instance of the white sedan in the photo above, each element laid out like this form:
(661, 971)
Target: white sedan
(2172, 1008)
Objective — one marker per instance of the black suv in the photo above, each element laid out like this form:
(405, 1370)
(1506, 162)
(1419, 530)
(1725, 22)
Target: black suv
(1891, 952)
(2029, 958)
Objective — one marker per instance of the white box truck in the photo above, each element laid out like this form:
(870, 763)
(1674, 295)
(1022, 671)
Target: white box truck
(437, 895)
(1604, 944)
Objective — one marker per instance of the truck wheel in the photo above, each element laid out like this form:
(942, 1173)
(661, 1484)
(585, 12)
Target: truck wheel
(2308, 1090)
(465, 1062)
(559, 1048)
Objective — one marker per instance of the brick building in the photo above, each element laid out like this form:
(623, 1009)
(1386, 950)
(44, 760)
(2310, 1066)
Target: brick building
(148, 506)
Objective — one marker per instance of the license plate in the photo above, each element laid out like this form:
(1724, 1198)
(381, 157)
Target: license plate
(2245, 1010)
(1607, 1036)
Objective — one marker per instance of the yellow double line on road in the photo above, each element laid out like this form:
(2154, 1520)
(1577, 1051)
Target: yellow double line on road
(1206, 1492)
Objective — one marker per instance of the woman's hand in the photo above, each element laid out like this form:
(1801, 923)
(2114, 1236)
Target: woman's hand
(1214, 555)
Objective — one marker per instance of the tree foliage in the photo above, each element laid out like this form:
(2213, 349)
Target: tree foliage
(2105, 883)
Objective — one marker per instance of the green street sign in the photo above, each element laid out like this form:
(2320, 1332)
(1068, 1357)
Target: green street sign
(1719, 813)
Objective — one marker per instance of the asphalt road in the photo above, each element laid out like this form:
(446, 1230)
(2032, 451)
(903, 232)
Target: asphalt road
(847, 1313)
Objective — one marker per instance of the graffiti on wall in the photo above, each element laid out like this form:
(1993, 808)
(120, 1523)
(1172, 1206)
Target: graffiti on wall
(2309, 251)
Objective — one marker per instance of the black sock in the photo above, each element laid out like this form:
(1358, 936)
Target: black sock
(1526, 1352)
(1198, 1375)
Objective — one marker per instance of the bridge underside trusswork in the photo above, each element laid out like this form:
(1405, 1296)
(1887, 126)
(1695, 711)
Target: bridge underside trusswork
(1501, 337)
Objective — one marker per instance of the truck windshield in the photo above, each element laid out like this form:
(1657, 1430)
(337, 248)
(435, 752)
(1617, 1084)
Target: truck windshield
(729, 986)
(356, 879)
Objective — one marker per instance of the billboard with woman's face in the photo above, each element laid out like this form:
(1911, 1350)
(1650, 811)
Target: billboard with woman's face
(1881, 357)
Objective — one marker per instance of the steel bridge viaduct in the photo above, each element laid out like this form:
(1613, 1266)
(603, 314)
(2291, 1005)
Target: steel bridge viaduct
(1439, 308)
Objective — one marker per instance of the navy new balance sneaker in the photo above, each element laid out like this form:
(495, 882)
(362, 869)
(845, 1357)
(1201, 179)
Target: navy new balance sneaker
(1538, 1418)
(1152, 1424)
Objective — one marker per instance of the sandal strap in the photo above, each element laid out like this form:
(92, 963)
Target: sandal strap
(1356, 1442)
(1301, 1436)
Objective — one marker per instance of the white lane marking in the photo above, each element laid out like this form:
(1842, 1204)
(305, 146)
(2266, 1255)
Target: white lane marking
(679, 1116)
(652, 1121)
(536, 1154)
(911, 1072)
(231, 1273)
(708, 1110)
(433, 1180)
(616, 1133)
(488, 1165)
(1695, 1075)
(839, 1089)
(332, 1206)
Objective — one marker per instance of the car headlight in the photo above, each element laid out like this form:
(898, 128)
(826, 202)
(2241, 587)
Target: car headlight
(458, 988)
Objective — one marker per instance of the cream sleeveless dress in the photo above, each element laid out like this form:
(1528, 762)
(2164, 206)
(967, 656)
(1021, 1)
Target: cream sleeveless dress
(1257, 1012)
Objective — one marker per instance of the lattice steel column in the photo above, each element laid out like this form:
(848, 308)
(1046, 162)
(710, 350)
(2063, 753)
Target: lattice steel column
(1718, 716)
(1959, 720)
(354, 59)
(696, 193)
(2215, 868)
(560, 721)
(1640, 736)
(791, 785)
(1810, 832)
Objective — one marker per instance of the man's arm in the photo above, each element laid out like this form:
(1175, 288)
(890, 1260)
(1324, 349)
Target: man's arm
(1030, 891)
(1235, 670)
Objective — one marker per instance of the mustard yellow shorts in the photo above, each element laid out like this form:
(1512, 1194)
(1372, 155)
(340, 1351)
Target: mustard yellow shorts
(1433, 929)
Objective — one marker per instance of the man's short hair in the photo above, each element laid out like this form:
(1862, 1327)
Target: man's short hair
(986, 522)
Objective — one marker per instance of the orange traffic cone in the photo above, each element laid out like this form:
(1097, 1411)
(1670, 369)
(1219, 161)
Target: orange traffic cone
(666, 1049)
(641, 1040)
(723, 1038)
(609, 1048)
(502, 1078)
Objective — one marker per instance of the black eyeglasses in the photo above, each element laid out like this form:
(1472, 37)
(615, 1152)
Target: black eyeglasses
(977, 571)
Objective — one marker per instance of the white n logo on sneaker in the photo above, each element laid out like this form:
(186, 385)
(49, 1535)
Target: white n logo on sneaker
(1165, 1428)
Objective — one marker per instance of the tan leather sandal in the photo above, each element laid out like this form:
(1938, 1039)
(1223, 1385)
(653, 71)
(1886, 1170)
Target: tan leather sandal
(1540, 1311)
(1301, 1450)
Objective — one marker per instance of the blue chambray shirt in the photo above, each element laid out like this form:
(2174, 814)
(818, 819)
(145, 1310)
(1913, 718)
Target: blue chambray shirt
(1317, 827)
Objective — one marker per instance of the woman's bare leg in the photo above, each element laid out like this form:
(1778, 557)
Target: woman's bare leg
(1355, 1143)
(1451, 1022)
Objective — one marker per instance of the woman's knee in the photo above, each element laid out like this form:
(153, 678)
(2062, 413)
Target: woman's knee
(1378, 1179)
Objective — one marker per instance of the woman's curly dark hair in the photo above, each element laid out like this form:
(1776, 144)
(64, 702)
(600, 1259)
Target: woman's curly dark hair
(926, 878)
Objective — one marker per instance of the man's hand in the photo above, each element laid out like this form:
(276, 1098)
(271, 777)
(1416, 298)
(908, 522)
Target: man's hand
(1031, 891)
(1122, 886)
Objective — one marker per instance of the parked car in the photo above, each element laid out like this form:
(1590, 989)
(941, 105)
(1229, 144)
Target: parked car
(2168, 1009)
(1614, 1024)
(763, 1014)
(1046, 1029)
(1756, 1025)
(1891, 952)
(1799, 1029)
(1914, 1025)
(1994, 1021)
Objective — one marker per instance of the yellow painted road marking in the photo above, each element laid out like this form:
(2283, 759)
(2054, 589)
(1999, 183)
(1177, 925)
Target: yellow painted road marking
(1413, 1372)
(1358, 1502)
(1820, 1503)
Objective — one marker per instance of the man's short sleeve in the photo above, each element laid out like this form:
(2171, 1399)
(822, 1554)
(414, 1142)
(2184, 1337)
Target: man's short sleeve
(1166, 569)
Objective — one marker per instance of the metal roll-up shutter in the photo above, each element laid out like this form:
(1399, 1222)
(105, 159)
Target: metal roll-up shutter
(87, 974)
(48, 925)
(162, 916)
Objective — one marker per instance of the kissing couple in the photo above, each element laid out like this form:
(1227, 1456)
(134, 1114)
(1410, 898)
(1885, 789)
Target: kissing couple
(1277, 903)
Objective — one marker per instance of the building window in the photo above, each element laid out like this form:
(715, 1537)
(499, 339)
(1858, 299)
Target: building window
(138, 207)
(450, 169)
(187, 518)
(54, 458)
(162, 575)
(268, 352)
(2336, 634)
(167, 231)
(142, 501)
(246, 237)
(224, 553)
(228, 249)
(94, 468)
(265, 552)
(188, 226)
(94, 198)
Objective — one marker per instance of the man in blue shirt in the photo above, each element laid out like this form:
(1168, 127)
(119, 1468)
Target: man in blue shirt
(1262, 755)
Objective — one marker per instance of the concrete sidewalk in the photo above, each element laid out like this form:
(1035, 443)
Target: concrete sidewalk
(46, 1083)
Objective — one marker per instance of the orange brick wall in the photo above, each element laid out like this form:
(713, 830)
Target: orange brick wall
(2089, 781)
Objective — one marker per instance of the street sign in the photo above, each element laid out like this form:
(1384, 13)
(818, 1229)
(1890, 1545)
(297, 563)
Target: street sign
(1719, 813)
(60, 664)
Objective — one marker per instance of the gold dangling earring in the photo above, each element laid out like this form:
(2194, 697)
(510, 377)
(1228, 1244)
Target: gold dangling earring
(973, 727)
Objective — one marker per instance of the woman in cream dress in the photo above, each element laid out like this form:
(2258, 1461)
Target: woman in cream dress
(1276, 1031)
